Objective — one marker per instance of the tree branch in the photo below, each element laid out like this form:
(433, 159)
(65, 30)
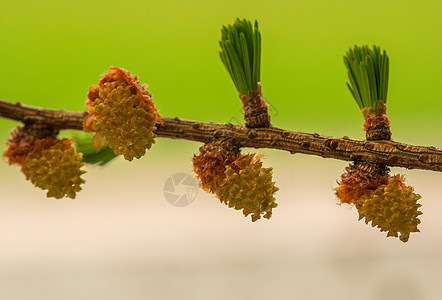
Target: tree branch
(58, 119)
(391, 153)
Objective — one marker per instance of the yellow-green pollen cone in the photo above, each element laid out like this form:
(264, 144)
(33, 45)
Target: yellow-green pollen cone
(249, 187)
(393, 208)
(122, 114)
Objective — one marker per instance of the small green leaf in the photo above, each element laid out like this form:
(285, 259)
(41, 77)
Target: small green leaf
(83, 143)
(101, 157)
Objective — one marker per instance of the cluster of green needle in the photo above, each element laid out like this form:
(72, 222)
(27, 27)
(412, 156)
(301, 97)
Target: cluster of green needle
(368, 70)
(241, 54)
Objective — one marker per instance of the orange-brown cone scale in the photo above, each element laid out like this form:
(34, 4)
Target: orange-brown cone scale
(360, 179)
(211, 163)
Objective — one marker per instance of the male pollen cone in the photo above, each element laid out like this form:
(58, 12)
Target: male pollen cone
(122, 114)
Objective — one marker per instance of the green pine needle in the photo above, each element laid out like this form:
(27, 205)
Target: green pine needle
(241, 54)
(83, 143)
(368, 70)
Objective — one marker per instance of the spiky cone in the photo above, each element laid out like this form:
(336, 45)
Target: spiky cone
(210, 164)
(122, 114)
(55, 166)
(376, 122)
(248, 186)
(255, 109)
(50, 164)
(392, 208)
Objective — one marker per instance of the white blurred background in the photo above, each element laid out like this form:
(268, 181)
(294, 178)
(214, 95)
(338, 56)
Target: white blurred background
(120, 239)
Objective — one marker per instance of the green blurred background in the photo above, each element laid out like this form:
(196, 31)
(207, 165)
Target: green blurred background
(53, 50)
(121, 240)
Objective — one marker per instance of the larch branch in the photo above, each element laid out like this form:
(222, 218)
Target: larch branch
(391, 153)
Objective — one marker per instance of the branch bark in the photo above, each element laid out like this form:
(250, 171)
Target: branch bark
(391, 153)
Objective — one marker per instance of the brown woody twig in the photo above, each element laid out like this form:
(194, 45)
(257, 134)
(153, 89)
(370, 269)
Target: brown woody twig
(391, 153)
